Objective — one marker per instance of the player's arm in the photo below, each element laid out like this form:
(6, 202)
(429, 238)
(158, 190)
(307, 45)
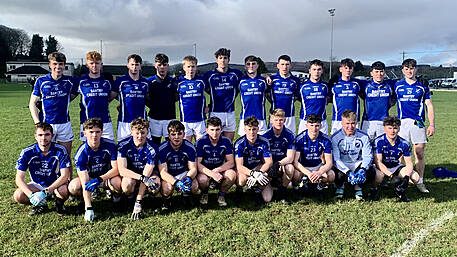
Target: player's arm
(431, 117)
(300, 166)
(367, 153)
(163, 169)
(113, 172)
(33, 108)
(112, 96)
(147, 171)
(289, 159)
(409, 164)
(192, 169)
(228, 164)
(123, 171)
(20, 182)
(202, 168)
(241, 168)
(328, 163)
(83, 178)
(268, 162)
(64, 177)
(381, 166)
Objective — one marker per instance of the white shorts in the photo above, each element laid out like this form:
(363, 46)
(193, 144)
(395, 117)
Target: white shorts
(394, 169)
(180, 176)
(123, 131)
(107, 131)
(373, 128)
(62, 132)
(195, 128)
(352, 166)
(158, 128)
(262, 128)
(228, 120)
(302, 126)
(38, 186)
(315, 168)
(412, 133)
(336, 125)
(290, 124)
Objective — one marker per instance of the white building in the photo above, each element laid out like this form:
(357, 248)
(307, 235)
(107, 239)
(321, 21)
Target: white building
(24, 71)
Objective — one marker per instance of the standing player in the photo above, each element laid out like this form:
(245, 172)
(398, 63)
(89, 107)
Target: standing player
(352, 155)
(378, 96)
(283, 91)
(412, 97)
(253, 160)
(161, 100)
(215, 161)
(252, 89)
(96, 93)
(177, 165)
(55, 91)
(282, 149)
(191, 92)
(132, 89)
(390, 148)
(313, 93)
(96, 164)
(136, 159)
(49, 168)
(222, 88)
(313, 156)
(345, 94)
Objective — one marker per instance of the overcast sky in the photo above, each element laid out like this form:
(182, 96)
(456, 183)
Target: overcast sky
(363, 30)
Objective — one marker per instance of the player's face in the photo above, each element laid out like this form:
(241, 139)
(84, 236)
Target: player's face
(283, 67)
(313, 129)
(346, 72)
(251, 67)
(139, 136)
(391, 131)
(162, 69)
(315, 72)
(349, 126)
(57, 68)
(94, 66)
(251, 132)
(133, 66)
(277, 122)
(378, 75)
(176, 138)
(43, 137)
(409, 72)
(190, 68)
(222, 61)
(214, 132)
(93, 136)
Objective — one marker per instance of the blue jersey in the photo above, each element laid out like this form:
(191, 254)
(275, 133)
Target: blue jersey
(392, 153)
(312, 151)
(283, 92)
(137, 158)
(213, 156)
(411, 99)
(279, 145)
(313, 99)
(94, 98)
(96, 163)
(177, 161)
(43, 170)
(222, 87)
(191, 98)
(253, 155)
(55, 96)
(345, 97)
(252, 91)
(132, 97)
(377, 99)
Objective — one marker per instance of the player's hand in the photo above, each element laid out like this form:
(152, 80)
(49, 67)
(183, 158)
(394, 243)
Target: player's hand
(351, 178)
(261, 178)
(38, 197)
(118, 108)
(269, 80)
(149, 182)
(361, 175)
(251, 181)
(137, 211)
(217, 177)
(430, 131)
(91, 185)
(315, 176)
(89, 214)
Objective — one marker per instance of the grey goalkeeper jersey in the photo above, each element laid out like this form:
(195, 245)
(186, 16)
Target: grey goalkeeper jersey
(351, 151)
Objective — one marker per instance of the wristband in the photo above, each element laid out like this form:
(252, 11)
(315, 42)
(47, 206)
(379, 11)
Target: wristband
(391, 175)
(432, 125)
(89, 208)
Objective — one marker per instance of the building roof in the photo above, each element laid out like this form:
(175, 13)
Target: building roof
(31, 70)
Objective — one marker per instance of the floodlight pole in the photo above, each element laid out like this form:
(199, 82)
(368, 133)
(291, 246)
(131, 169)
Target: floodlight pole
(332, 14)
(195, 49)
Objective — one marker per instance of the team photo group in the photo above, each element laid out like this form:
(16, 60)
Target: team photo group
(156, 154)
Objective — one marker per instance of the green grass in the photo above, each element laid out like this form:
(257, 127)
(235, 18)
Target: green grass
(305, 228)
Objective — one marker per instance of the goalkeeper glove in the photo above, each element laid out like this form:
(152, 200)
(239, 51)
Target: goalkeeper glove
(351, 178)
(361, 175)
(38, 197)
(261, 178)
(91, 185)
(89, 214)
(137, 210)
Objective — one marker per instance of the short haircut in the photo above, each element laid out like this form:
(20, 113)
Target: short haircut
(136, 58)
(316, 62)
(161, 58)
(410, 63)
(284, 57)
(93, 56)
(214, 121)
(391, 121)
(57, 56)
(139, 124)
(93, 123)
(251, 58)
(378, 66)
(223, 52)
(251, 121)
(278, 113)
(313, 118)
(190, 58)
(44, 126)
(347, 62)
(349, 115)
(175, 126)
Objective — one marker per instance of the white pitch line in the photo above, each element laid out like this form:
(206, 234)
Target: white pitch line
(409, 244)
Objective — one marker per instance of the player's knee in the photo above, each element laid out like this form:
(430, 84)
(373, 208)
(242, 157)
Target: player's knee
(289, 170)
(419, 152)
(75, 187)
(379, 177)
(20, 197)
(230, 175)
(114, 184)
(62, 192)
(203, 180)
(128, 185)
(330, 176)
(167, 189)
(241, 179)
(415, 177)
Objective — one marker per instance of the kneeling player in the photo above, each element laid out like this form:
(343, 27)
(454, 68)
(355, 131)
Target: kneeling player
(282, 149)
(136, 159)
(253, 159)
(177, 165)
(215, 161)
(96, 164)
(311, 145)
(389, 149)
(48, 165)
